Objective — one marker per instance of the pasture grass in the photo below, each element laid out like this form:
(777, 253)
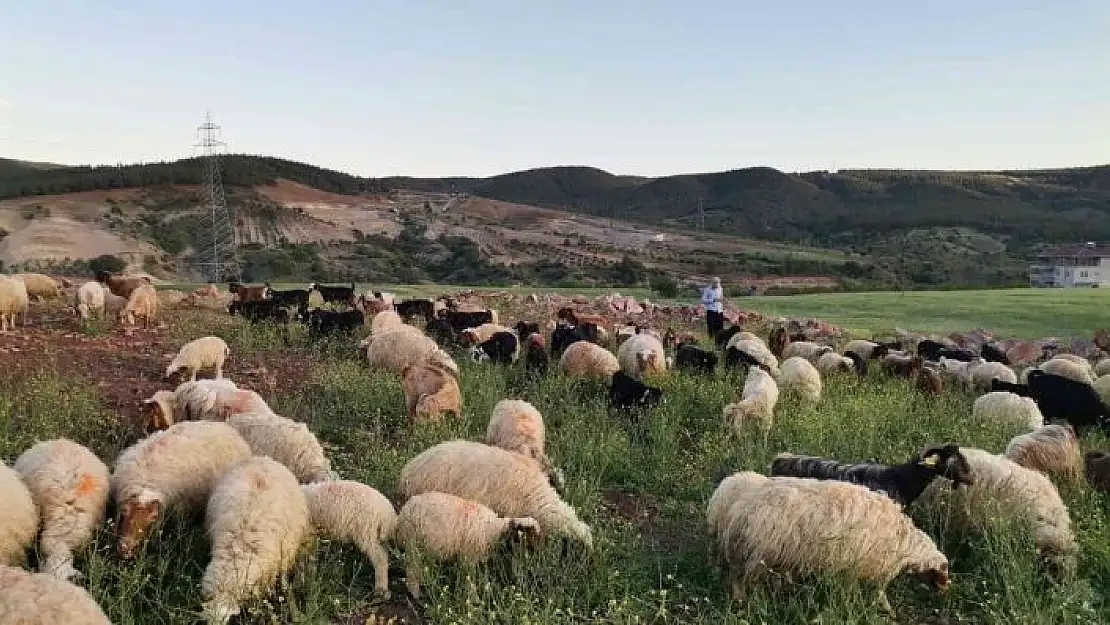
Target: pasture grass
(641, 484)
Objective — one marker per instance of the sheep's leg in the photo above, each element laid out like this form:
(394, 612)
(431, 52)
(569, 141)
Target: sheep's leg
(884, 603)
(379, 557)
(412, 578)
(220, 371)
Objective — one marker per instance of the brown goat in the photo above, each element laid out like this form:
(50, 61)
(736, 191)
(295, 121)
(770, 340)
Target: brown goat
(248, 293)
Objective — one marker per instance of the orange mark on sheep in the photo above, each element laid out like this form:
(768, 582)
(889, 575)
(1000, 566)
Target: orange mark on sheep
(87, 484)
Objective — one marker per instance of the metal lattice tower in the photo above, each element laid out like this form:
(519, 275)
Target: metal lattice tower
(216, 256)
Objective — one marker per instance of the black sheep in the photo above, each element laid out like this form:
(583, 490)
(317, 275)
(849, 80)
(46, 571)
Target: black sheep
(991, 353)
(411, 308)
(321, 322)
(499, 348)
(1064, 399)
(859, 361)
(692, 357)
(626, 392)
(337, 294)
(903, 483)
(563, 337)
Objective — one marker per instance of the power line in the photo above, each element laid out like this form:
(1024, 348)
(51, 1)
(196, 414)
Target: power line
(216, 259)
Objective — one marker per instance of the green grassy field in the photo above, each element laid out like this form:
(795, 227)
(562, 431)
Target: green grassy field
(641, 486)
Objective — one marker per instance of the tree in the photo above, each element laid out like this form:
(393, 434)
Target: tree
(107, 262)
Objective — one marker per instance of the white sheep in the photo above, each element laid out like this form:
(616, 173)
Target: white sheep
(207, 352)
(70, 485)
(38, 599)
(757, 402)
(1102, 387)
(956, 368)
(832, 362)
(13, 302)
(1003, 487)
(517, 425)
(257, 519)
(1077, 359)
(445, 527)
(19, 524)
(1008, 408)
(512, 484)
(983, 372)
(355, 513)
(1052, 449)
(40, 286)
(289, 442)
(385, 321)
(175, 467)
(806, 349)
(642, 355)
(143, 304)
(1068, 368)
(747, 336)
(863, 348)
(89, 300)
(202, 400)
(585, 359)
(1102, 368)
(797, 375)
(819, 527)
(395, 349)
(721, 500)
(756, 349)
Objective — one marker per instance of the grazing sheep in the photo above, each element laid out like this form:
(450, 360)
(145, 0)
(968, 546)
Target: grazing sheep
(393, 350)
(40, 286)
(752, 350)
(724, 495)
(831, 362)
(982, 372)
(1102, 387)
(20, 523)
(868, 350)
(1003, 487)
(203, 353)
(814, 527)
(37, 599)
(256, 521)
(903, 483)
(927, 381)
(202, 400)
(385, 321)
(1008, 408)
(757, 402)
(993, 353)
(509, 483)
(286, 441)
(1097, 465)
(1068, 368)
(89, 301)
(121, 285)
(460, 321)
(446, 527)
(1052, 449)
(13, 302)
(430, 390)
(1102, 368)
(69, 484)
(502, 348)
(516, 425)
(628, 392)
(806, 349)
(480, 334)
(797, 375)
(355, 513)
(693, 358)
(586, 359)
(1063, 398)
(642, 356)
(143, 304)
(175, 467)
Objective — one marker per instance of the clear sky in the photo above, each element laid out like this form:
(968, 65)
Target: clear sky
(652, 87)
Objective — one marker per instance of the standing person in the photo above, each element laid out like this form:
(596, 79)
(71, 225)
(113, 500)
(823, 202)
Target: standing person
(713, 298)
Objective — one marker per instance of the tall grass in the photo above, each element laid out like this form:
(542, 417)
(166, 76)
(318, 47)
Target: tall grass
(641, 485)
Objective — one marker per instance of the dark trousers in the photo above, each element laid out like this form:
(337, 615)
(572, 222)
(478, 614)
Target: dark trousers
(714, 322)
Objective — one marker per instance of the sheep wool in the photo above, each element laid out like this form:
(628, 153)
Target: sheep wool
(757, 349)
(722, 499)
(289, 442)
(444, 527)
(214, 400)
(1004, 488)
(69, 484)
(395, 349)
(517, 426)
(175, 467)
(484, 332)
(38, 599)
(982, 372)
(860, 346)
(385, 321)
(20, 523)
(511, 484)
(89, 300)
(40, 286)
(207, 352)
(431, 389)
(757, 402)
(641, 356)
(1052, 449)
(257, 519)
(1102, 368)
(1102, 387)
(806, 349)
(355, 513)
(817, 527)
(141, 304)
(1008, 408)
(585, 359)
(1068, 368)
(13, 302)
(831, 362)
(797, 375)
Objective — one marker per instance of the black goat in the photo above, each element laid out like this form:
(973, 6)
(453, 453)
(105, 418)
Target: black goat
(261, 310)
(322, 321)
(535, 353)
(340, 294)
(296, 298)
(563, 337)
(991, 353)
(1064, 399)
(462, 320)
(441, 332)
(903, 483)
(859, 361)
(722, 338)
(626, 392)
(934, 350)
(412, 308)
(526, 328)
(499, 348)
(694, 358)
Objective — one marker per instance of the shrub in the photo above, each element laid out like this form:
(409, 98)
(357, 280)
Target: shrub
(107, 262)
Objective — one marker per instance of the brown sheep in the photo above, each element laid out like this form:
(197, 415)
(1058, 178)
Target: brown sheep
(927, 381)
(121, 285)
(777, 341)
(39, 286)
(143, 303)
(430, 390)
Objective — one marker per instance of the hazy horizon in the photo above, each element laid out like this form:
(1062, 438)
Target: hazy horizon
(658, 88)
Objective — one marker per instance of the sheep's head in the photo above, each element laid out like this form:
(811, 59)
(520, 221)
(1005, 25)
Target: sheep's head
(158, 411)
(934, 573)
(136, 516)
(521, 533)
(950, 463)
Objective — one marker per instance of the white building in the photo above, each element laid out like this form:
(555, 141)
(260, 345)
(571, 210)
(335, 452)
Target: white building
(1086, 265)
